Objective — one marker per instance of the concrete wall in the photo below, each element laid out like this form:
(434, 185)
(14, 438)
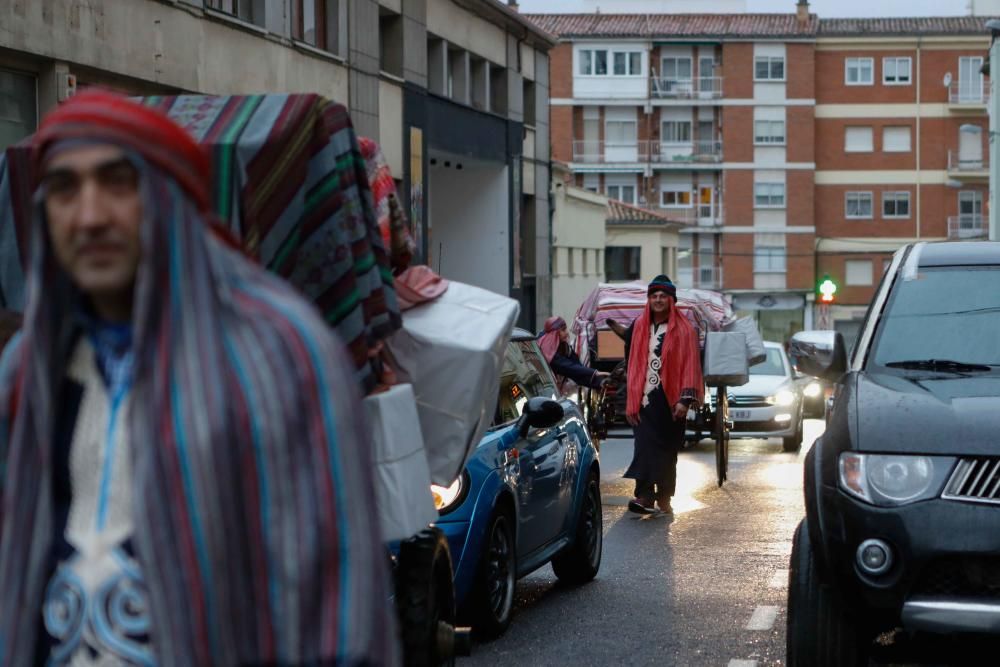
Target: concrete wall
(577, 227)
(469, 223)
(169, 46)
(465, 29)
(653, 241)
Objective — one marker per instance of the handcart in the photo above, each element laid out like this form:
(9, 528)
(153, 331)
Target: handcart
(598, 333)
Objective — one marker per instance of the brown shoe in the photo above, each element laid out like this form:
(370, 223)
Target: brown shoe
(664, 506)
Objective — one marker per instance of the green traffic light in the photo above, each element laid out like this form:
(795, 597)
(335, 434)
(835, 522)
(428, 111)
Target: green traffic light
(827, 288)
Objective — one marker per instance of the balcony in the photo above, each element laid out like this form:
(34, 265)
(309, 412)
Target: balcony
(708, 277)
(968, 96)
(967, 227)
(686, 153)
(703, 88)
(967, 167)
(704, 216)
(608, 152)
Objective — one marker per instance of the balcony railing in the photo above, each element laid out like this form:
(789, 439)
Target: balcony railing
(961, 163)
(967, 226)
(702, 88)
(702, 215)
(610, 152)
(683, 152)
(971, 94)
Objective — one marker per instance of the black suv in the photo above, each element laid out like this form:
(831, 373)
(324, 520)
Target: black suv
(902, 491)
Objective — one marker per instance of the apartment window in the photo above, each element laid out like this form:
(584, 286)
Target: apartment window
(627, 63)
(623, 193)
(676, 69)
(676, 197)
(769, 253)
(241, 9)
(591, 182)
(593, 62)
(622, 263)
(858, 140)
(859, 71)
(390, 41)
(858, 205)
(18, 107)
(676, 131)
(896, 139)
(858, 272)
(769, 132)
(896, 71)
(620, 132)
(895, 204)
(769, 68)
(769, 195)
(316, 22)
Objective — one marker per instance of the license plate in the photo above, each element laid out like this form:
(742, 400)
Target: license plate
(742, 415)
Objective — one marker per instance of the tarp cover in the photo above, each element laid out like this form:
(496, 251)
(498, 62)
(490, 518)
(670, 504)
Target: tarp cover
(623, 302)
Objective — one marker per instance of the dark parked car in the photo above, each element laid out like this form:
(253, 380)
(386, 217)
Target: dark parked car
(902, 491)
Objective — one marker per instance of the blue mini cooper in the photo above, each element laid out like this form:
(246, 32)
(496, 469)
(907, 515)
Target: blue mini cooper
(529, 495)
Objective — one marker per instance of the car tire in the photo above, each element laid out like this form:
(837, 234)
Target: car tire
(821, 631)
(581, 560)
(793, 443)
(425, 598)
(490, 603)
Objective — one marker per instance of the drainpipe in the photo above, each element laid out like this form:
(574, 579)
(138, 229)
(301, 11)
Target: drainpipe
(994, 108)
(917, 136)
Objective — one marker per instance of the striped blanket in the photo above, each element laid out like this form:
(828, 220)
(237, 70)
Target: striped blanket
(623, 302)
(289, 180)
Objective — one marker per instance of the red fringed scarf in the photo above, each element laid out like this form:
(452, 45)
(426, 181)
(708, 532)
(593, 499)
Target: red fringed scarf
(681, 367)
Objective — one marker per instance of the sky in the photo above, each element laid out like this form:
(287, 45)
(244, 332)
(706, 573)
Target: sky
(823, 8)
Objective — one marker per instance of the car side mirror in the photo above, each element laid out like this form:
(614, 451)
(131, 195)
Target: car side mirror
(539, 412)
(821, 354)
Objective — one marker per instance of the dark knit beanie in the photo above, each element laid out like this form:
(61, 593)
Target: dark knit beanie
(662, 283)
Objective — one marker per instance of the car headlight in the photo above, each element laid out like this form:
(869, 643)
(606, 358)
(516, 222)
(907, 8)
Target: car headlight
(782, 398)
(447, 498)
(813, 389)
(891, 479)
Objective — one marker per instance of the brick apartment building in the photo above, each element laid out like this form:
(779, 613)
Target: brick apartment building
(793, 147)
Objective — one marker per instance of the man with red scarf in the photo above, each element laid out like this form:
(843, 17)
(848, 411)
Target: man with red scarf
(181, 453)
(664, 381)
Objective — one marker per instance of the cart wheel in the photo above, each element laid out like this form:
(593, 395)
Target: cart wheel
(721, 433)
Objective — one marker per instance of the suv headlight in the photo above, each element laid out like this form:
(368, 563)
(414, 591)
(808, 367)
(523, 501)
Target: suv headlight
(889, 480)
(448, 498)
(783, 398)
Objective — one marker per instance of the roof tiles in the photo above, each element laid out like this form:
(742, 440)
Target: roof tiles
(736, 26)
(622, 213)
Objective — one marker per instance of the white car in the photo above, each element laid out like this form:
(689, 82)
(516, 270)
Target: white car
(770, 404)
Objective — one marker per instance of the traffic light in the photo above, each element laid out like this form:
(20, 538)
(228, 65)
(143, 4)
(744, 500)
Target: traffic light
(827, 289)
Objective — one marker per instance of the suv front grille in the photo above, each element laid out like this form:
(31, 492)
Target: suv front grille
(976, 479)
(977, 577)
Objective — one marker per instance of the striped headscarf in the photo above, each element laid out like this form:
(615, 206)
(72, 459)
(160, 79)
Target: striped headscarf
(252, 473)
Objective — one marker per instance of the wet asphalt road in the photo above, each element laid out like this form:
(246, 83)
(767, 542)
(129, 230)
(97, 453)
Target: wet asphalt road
(706, 587)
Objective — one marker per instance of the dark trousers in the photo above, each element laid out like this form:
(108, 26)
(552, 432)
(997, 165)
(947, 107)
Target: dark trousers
(663, 490)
